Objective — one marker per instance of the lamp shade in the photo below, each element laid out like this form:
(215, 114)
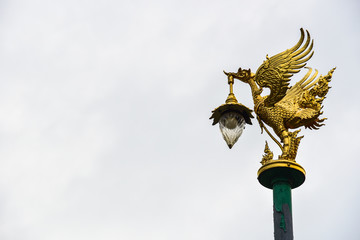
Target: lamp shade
(231, 126)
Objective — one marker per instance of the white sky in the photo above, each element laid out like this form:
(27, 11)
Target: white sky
(104, 129)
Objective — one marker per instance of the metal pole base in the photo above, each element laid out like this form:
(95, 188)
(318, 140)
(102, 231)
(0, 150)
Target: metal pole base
(293, 172)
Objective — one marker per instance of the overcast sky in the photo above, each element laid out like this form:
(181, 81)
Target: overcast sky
(105, 130)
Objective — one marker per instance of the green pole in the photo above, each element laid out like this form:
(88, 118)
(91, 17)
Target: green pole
(281, 176)
(283, 226)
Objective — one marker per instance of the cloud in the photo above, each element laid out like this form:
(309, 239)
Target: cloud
(104, 129)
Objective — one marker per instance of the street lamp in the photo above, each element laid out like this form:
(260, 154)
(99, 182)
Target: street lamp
(231, 116)
(283, 109)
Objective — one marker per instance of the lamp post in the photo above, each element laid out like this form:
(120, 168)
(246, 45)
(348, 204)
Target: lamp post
(283, 109)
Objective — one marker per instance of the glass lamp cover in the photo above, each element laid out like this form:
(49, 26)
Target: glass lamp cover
(231, 125)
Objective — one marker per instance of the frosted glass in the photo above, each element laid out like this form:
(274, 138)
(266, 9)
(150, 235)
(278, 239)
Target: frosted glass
(231, 126)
